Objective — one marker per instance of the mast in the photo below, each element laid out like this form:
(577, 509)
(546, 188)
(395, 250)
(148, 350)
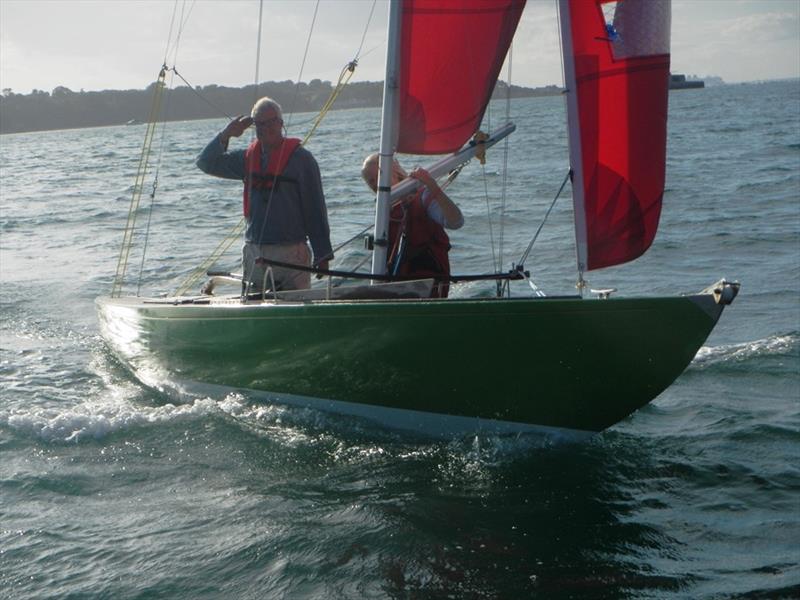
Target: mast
(388, 137)
(573, 127)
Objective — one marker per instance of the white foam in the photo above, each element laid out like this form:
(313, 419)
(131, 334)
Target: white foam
(776, 344)
(97, 419)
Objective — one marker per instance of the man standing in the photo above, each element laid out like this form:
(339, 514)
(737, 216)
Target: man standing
(283, 202)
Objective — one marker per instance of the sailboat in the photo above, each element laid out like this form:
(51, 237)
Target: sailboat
(361, 349)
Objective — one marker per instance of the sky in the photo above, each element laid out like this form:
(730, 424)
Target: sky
(121, 44)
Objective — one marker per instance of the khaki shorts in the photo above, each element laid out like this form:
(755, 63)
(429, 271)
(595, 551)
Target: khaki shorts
(285, 279)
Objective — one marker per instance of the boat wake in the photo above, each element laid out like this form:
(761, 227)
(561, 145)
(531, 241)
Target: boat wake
(779, 346)
(94, 420)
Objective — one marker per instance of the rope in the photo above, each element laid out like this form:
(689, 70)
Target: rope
(155, 184)
(127, 238)
(184, 18)
(147, 233)
(344, 79)
(155, 109)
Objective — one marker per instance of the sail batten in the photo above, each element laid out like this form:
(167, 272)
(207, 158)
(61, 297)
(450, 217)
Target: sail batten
(616, 57)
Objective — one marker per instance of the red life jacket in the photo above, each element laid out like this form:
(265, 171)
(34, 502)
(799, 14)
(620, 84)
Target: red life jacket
(268, 178)
(424, 244)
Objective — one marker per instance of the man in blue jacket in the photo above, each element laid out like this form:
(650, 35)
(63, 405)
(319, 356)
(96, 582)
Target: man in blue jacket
(283, 201)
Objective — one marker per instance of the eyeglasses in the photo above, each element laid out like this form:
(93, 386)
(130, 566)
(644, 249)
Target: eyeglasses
(268, 122)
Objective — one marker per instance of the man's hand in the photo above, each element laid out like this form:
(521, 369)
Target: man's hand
(424, 178)
(323, 265)
(235, 128)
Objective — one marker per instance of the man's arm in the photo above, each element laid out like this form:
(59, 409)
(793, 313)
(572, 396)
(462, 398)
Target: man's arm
(315, 213)
(442, 209)
(215, 158)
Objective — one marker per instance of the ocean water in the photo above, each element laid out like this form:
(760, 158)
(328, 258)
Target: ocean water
(109, 490)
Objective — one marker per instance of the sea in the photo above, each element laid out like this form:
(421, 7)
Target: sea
(112, 490)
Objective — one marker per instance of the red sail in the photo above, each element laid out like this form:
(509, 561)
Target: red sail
(451, 54)
(620, 56)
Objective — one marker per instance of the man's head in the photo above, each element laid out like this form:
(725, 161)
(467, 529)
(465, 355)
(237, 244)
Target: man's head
(268, 119)
(369, 171)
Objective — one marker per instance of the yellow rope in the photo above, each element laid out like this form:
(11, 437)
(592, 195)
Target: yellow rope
(127, 240)
(236, 232)
(344, 78)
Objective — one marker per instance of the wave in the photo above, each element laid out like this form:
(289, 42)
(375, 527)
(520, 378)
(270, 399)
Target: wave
(97, 420)
(775, 346)
(125, 407)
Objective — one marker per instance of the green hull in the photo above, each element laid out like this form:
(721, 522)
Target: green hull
(565, 363)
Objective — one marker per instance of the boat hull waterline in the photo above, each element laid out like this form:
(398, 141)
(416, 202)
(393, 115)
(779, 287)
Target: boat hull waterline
(562, 363)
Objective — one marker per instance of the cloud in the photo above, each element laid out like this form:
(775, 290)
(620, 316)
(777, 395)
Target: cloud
(744, 42)
(774, 26)
(121, 44)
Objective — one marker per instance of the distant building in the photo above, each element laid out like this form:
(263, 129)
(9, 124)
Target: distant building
(679, 82)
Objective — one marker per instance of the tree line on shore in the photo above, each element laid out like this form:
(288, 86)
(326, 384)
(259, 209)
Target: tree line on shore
(64, 109)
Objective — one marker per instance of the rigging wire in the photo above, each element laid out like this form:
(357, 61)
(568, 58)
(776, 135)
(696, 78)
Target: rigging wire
(162, 144)
(144, 159)
(258, 53)
(199, 95)
(183, 23)
(180, 29)
(344, 79)
(495, 264)
(525, 254)
(366, 30)
(303, 63)
(504, 184)
(581, 283)
(130, 225)
(159, 160)
(291, 114)
(169, 36)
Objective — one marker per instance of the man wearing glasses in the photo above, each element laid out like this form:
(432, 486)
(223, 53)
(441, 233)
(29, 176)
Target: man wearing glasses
(283, 202)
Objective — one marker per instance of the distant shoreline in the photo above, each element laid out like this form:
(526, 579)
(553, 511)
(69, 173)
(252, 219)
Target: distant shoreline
(65, 109)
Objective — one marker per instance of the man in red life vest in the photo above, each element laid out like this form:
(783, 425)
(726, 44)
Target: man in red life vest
(418, 243)
(283, 203)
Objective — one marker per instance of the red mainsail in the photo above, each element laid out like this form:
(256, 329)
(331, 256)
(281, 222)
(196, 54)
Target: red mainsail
(451, 54)
(617, 70)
